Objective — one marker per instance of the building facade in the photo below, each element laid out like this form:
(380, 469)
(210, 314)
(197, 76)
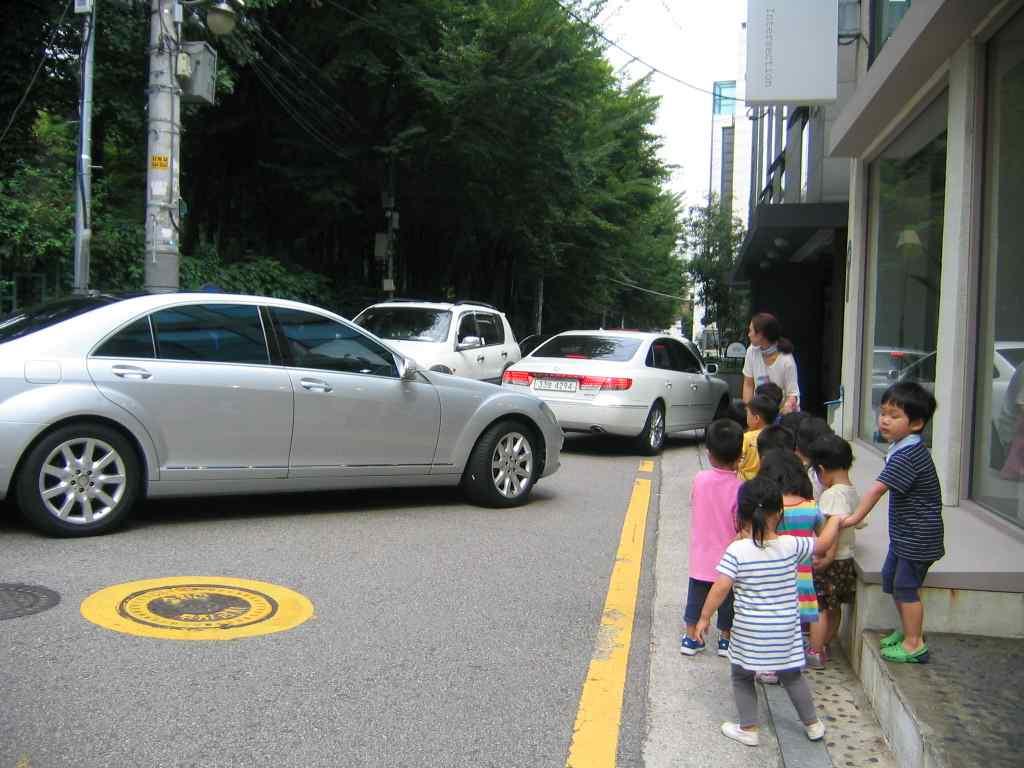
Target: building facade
(884, 232)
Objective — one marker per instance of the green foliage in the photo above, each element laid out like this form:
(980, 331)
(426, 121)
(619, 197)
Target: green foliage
(496, 127)
(712, 238)
(262, 276)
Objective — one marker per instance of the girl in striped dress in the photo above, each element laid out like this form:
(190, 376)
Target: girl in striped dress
(760, 567)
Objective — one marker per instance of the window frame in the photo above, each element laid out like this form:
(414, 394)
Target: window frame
(152, 340)
(177, 307)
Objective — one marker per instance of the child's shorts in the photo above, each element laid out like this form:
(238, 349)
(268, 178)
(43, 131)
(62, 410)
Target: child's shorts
(901, 577)
(836, 585)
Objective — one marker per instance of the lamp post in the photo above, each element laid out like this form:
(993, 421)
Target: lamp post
(163, 158)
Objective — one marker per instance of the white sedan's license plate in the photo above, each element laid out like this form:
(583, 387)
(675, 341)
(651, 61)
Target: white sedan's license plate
(556, 385)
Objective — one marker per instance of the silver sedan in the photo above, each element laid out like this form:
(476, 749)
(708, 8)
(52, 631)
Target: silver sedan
(107, 399)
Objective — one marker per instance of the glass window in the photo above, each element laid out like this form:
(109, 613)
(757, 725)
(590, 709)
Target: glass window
(406, 323)
(314, 341)
(26, 321)
(135, 340)
(582, 347)
(659, 356)
(724, 101)
(684, 359)
(886, 15)
(211, 333)
(467, 327)
(490, 328)
(997, 478)
(907, 197)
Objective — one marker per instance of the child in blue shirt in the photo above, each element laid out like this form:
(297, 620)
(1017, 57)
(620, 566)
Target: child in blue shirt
(915, 514)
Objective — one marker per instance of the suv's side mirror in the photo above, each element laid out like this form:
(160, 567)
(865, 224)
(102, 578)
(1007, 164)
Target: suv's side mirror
(407, 368)
(469, 342)
(711, 368)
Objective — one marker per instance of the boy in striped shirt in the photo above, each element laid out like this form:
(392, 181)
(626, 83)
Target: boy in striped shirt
(915, 514)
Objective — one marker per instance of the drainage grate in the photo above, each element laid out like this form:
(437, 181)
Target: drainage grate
(17, 600)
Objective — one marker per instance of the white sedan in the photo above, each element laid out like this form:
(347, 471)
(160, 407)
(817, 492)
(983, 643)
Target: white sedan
(641, 385)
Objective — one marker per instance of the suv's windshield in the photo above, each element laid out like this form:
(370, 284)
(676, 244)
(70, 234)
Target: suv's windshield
(22, 322)
(614, 348)
(406, 323)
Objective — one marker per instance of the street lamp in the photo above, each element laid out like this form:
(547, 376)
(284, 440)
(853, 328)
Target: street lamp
(163, 167)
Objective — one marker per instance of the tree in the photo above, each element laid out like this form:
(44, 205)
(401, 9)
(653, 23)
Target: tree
(711, 241)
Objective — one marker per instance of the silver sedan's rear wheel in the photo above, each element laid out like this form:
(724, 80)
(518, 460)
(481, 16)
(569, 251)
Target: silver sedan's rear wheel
(79, 480)
(503, 466)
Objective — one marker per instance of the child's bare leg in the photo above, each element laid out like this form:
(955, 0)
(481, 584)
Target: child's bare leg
(835, 621)
(912, 618)
(691, 631)
(819, 631)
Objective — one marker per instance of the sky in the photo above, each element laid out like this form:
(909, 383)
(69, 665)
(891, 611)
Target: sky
(697, 41)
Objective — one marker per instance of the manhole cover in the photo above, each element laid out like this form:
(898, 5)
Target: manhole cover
(197, 608)
(17, 600)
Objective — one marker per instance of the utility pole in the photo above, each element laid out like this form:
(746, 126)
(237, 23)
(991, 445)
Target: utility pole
(164, 147)
(83, 173)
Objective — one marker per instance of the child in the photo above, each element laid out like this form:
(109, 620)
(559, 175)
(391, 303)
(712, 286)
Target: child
(773, 437)
(761, 411)
(713, 527)
(760, 566)
(915, 514)
(835, 580)
(809, 430)
(772, 391)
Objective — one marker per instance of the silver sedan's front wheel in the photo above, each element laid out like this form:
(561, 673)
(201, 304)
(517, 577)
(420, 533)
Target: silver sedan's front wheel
(512, 464)
(503, 465)
(79, 480)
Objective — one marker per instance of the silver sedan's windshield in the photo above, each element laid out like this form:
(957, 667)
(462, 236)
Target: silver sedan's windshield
(406, 323)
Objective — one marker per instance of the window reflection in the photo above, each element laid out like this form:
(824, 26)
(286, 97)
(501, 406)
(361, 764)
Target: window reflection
(998, 450)
(908, 187)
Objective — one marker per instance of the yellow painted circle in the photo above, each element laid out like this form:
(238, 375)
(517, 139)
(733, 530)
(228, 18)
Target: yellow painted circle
(197, 608)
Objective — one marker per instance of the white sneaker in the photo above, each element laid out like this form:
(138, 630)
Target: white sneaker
(734, 732)
(815, 731)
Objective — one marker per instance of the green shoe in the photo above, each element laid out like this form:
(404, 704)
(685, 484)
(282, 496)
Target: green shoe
(900, 655)
(894, 638)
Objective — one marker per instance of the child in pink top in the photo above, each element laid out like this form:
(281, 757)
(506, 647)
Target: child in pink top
(712, 529)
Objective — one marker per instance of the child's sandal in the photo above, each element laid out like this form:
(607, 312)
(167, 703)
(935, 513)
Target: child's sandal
(893, 638)
(900, 655)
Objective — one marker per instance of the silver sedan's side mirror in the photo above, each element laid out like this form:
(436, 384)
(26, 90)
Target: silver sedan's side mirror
(469, 342)
(711, 368)
(407, 368)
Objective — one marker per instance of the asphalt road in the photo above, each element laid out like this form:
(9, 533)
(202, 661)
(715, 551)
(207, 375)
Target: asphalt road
(444, 634)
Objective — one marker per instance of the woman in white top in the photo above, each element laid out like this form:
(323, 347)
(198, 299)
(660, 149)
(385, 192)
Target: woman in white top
(770, 358)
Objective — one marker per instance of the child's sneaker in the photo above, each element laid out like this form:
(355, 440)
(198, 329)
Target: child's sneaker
(734, 732)
(815, 659)
(691, 647)
(768, 678)
(723, 647)
(815, 731)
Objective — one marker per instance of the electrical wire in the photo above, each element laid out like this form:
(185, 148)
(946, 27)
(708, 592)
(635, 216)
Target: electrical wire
(46, 50)
(597, 30)
(647, 290)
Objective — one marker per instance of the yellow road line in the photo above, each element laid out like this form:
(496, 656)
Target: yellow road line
(647, 466)
(595, 736)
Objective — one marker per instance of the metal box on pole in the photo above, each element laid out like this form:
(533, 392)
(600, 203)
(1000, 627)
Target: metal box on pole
(199, 80)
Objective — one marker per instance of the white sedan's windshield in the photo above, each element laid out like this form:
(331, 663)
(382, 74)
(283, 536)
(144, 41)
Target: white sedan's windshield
(406, 323)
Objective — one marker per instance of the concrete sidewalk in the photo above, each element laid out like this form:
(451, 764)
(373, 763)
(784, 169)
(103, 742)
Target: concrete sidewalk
(690, 697)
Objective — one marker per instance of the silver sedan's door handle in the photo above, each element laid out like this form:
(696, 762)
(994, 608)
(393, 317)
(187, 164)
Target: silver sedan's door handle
(694, 387)
(480, 359)
(504, 354)
(130, 372)
(315, 385)
(668, 385)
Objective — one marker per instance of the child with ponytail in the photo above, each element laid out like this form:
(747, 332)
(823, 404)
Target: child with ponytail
(760, 569)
